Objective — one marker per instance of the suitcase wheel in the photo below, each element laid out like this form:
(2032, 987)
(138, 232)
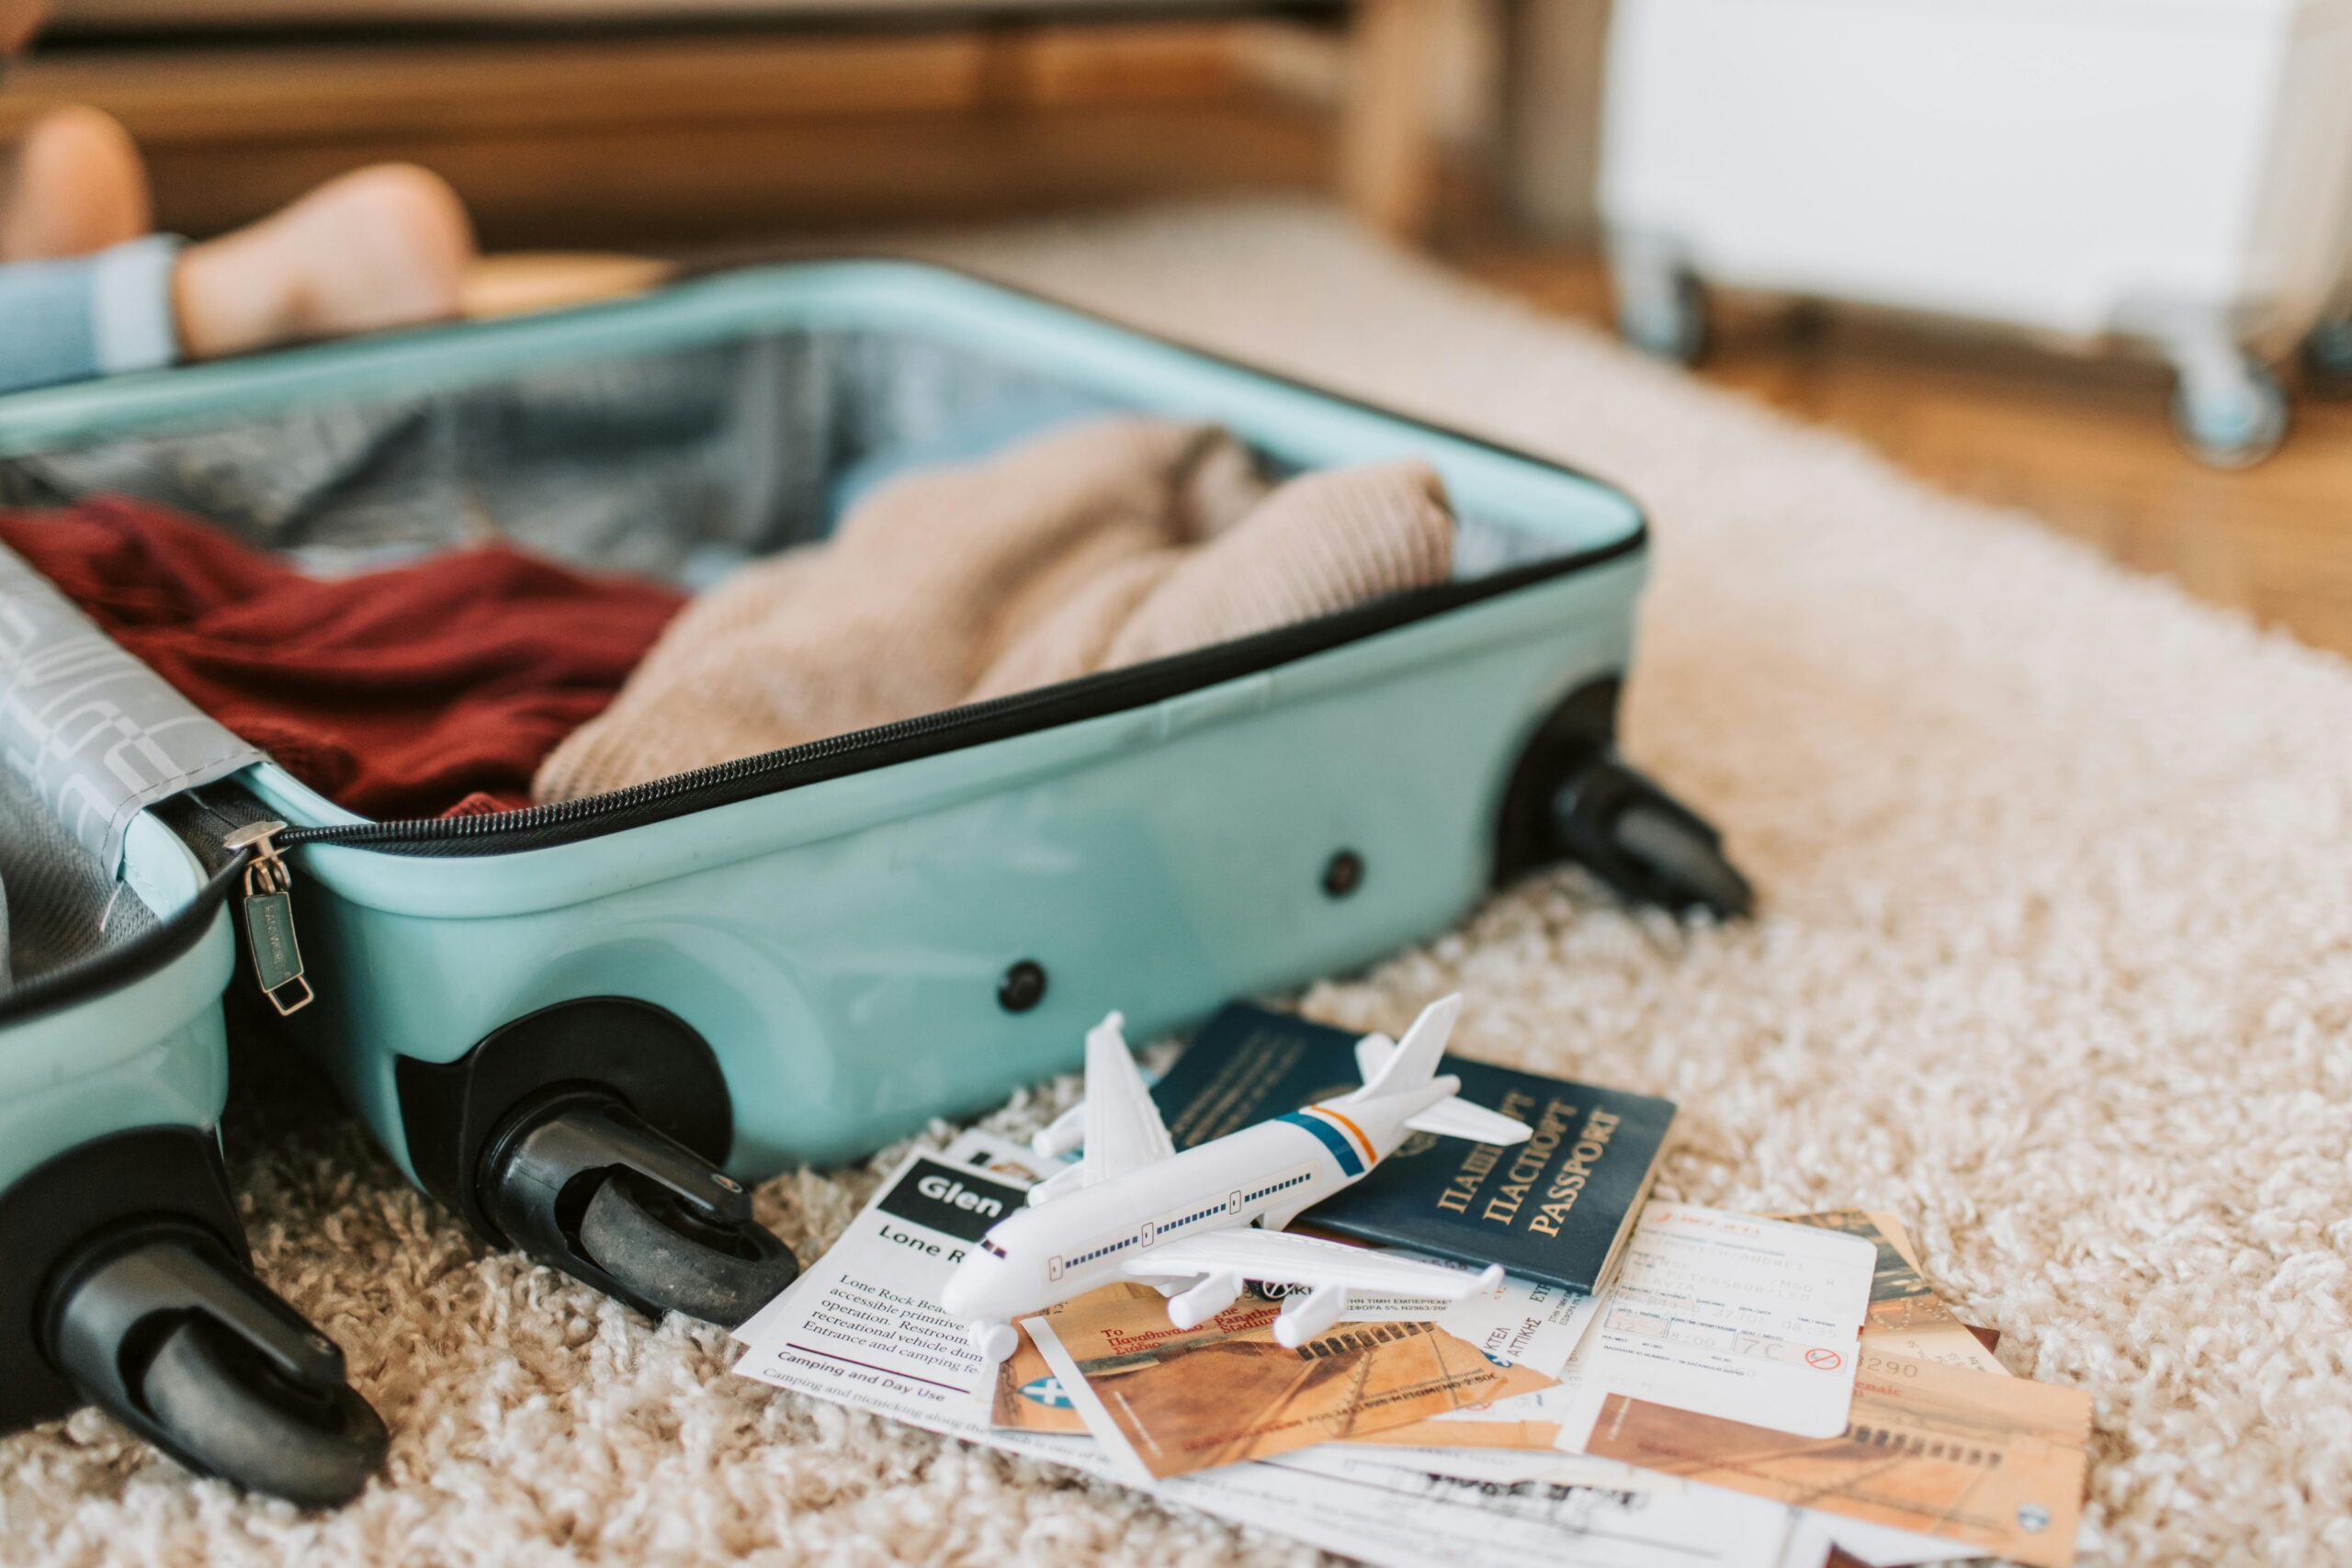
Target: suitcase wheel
(316, 1447)
(580, 1182)
(163, 1330)
(1643, 842)
(666, 1252)
(1571, 796)
(1682, 857)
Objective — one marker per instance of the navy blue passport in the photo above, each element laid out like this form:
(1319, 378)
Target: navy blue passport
(1556, 1207)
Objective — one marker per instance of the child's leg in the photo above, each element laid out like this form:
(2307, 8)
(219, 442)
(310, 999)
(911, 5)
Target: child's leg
(384, 247)
(72, 184)
(65, 321)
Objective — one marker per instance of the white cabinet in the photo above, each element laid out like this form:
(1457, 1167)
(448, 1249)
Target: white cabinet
(2173, 172)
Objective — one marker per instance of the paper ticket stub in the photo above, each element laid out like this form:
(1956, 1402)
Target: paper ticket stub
(1529, 1322)
(1995, 1462)
(1533, 1420)
(1907, 1317)
(1029, 1397)
(1388, 1514)
(1181, 1400)
(1512, 1464)
(862, 1329)
(1697, 1525)
(1730, 1315)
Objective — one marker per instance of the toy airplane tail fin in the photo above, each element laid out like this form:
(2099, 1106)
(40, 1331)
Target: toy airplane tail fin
(1412, 1061)
(1457, 1118)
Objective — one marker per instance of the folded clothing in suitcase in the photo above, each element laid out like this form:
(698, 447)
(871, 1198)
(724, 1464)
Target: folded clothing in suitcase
(414, 690)
(585, 1023)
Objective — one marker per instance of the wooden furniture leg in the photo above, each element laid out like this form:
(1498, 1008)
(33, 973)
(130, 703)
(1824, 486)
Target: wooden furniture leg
(1554, 53)
(1388, 149)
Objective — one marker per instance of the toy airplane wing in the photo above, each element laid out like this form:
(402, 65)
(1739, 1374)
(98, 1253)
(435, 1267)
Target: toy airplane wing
(1303, 1260)
(1122, 1129)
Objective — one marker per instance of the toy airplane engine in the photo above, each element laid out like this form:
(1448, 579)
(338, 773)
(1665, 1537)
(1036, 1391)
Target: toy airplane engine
(1198, 1224)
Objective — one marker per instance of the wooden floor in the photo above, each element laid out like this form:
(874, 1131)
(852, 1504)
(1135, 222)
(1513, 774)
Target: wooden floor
(2081, 443)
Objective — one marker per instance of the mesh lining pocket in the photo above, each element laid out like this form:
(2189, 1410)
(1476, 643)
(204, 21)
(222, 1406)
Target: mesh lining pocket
(58, 906)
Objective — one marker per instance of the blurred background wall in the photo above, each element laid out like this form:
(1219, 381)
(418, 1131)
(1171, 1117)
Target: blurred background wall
(711, 128)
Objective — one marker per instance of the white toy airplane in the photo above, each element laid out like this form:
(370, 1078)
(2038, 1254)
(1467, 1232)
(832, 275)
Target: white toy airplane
(1198, 1224)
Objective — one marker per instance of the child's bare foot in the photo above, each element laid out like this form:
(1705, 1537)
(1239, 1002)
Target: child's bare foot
(73, 184)
(384, 247)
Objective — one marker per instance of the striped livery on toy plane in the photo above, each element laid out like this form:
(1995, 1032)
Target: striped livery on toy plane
(1198, 1224)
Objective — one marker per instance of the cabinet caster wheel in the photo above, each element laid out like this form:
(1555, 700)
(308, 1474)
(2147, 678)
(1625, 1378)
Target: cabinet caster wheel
(2328, 357)
(2230, 421)
(1665, 316)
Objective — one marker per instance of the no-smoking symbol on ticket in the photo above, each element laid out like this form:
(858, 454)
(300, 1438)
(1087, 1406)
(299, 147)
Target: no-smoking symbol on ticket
(1823, 1361)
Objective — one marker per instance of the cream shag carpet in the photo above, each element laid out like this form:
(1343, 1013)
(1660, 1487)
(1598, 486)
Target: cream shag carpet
(2057, 963)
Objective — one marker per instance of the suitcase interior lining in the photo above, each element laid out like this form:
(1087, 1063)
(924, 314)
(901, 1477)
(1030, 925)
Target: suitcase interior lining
(672, 464)
(59, 908)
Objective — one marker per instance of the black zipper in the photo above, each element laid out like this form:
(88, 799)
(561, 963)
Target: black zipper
(998, 719)
(203, 825)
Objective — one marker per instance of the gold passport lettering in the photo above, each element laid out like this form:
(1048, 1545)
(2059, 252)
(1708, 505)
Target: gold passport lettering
(1561, 1196)
(1528, 1162)
(1461, 1188)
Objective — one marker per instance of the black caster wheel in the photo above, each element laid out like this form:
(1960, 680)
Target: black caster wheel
(2232, 421)
(2328, 357)
(1572, 797)
(163, 1329)
(582, 1183)
(1664, 317)
(666, 1252)
(1642, 841)
(239, 1420)
(1683, 857)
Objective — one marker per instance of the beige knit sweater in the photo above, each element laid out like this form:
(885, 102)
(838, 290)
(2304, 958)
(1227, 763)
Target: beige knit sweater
(1096, 546)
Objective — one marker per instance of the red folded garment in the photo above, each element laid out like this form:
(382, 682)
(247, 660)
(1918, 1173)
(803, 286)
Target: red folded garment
(410, 691)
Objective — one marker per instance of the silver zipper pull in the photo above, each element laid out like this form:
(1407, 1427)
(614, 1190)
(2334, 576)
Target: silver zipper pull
(269, 918)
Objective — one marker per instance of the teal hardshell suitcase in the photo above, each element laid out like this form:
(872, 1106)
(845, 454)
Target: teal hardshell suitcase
(584, 1026)
(126, 1282)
